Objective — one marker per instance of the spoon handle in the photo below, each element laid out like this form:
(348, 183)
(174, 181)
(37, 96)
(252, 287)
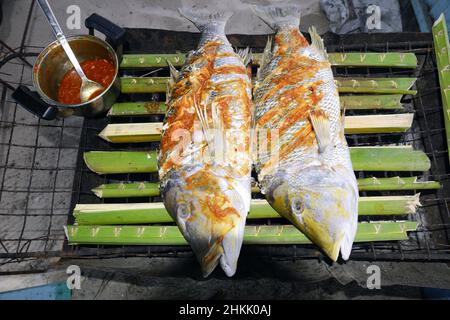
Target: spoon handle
(48, 12)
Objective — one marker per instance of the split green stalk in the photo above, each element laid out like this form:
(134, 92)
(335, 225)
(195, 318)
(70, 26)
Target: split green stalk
(111, 162)
(364, 124)
(152, 60)
(363, 159)
(374, 59)
(262, 235)
(376, 85)
(151, 189)
(389, 159)
(127, 109)
(144, 84)
(345, 85)
(366, 102)
(353, 102)
(351, 59)
(135, 213)
(442, 50)
(395, 183)
(127, 190)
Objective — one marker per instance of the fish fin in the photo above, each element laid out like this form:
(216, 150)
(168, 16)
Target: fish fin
(317, 43)
(202, 118)
(321, 126)
(219, 133)
(266, 56)
(342, 129)
(245, 55)
(225, 252)
(204, 20)
(211, 259)
(174, 75)
(277, 16)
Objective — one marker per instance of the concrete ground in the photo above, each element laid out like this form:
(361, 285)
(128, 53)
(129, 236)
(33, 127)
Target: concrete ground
(157, 14)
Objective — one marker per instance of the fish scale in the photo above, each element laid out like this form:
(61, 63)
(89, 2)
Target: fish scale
(309, 179)
(205, 183)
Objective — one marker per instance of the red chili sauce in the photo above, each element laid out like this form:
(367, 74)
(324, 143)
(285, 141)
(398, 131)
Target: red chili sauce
(99, 70)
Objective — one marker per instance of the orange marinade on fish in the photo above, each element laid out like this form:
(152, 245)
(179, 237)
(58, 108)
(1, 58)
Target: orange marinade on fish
(308, 178)
(205, 156)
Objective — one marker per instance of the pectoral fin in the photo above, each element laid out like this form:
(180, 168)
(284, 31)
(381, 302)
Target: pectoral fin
(321, 126)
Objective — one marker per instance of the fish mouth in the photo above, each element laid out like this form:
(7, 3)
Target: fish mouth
(210, 212)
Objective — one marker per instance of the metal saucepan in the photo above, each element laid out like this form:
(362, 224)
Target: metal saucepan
(52, 64)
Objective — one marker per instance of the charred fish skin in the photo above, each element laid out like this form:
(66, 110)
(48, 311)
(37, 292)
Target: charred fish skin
(309, 179)
(205, 156)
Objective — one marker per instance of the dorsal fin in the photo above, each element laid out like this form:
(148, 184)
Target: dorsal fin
(317, 43)
(174, 76)
(265, 58)
(245, 54)
(174, 73)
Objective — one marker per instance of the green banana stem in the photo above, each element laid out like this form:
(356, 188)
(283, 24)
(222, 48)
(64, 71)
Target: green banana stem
(151, 189)
(363, 159)
(353, 102)
(345, 85)
(442, 49)
(351, 59)
(155, 212)
(258, 235)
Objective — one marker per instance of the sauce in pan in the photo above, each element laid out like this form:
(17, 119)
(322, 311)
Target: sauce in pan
(99, 70)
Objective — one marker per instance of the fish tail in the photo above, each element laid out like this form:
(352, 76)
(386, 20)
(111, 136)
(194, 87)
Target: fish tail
(280, 15)
(204, 20)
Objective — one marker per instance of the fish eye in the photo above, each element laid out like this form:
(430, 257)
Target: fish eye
(183, 211)
(297, 206)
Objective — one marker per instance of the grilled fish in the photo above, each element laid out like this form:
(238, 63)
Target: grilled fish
(205, 157)
(308, 178)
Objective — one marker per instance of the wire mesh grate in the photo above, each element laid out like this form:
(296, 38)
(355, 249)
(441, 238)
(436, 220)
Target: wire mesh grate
(431, 240)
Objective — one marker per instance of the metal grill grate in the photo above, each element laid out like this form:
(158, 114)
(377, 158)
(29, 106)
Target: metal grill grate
(430, 242)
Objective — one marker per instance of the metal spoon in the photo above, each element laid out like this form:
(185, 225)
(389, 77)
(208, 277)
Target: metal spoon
(88, 87)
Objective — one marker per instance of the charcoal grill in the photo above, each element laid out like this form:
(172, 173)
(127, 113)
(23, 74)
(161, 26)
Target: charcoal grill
(430, 242)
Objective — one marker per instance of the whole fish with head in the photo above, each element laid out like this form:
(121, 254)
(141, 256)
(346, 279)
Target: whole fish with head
(308, 178)
(205, 157)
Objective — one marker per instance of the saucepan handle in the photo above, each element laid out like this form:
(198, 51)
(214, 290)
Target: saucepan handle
(31, 102)
(114, 34)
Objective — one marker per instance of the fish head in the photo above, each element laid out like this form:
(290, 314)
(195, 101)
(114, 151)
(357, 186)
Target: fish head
(323, 203)
(210, 208)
